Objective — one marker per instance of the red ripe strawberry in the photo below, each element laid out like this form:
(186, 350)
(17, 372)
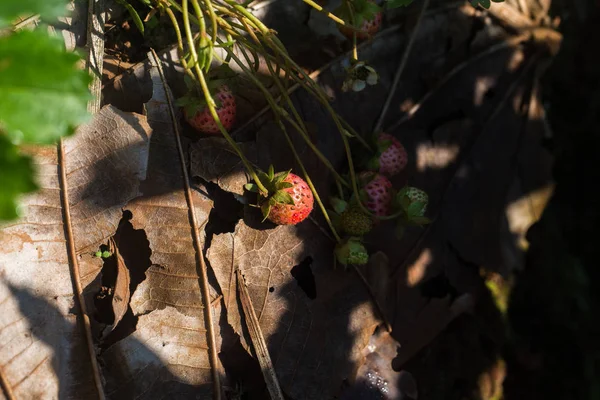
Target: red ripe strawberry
(378, 193)
(369, 17)
(392, 156)
(289, 200)
(203, 122)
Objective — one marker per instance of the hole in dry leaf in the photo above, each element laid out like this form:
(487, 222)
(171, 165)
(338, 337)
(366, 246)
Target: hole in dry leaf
(134, 248)
(438, 287)
(225, 213)
(303, 275)
(271, 289)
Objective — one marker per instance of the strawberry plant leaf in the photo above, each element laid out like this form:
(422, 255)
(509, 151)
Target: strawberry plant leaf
(44, 93)
(282, 197)
(11, 9)
(18, 181)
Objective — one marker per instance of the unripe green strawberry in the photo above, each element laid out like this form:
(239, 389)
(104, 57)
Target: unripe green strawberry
(413, 201)
(355, 222)
(351, 252)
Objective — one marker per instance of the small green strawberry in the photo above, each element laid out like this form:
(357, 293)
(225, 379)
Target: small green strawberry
(355, 222)
(351, 252)
(414, 203)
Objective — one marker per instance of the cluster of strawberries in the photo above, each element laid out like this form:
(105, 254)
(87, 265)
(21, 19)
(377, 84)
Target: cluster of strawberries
(290, 200)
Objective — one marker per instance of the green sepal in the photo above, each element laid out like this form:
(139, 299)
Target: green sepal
(338, 204)
(285, 185)
(265, 208)
(280, 177)
(271, 173)
(373, 164)
(251, 187)
(383, 145)
(282, 197)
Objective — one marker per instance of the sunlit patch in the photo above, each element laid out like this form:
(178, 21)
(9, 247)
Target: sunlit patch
(524, 212)
(435, 156)
(416, 271)
(483, 84)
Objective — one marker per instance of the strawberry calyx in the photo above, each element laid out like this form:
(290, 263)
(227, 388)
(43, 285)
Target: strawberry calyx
(276, 193)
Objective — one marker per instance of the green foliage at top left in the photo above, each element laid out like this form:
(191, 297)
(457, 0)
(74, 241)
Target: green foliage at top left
(43, 94)
(11, 9)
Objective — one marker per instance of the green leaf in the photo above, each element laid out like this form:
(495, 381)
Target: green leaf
(398, 3)
(282, 197)
(44, 93)
(16, 178)
(11, 9)
(338, 204)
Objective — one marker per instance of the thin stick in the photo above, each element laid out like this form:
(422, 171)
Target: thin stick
(75, 273)
(258, 340)
(401, 67)
(203, 278)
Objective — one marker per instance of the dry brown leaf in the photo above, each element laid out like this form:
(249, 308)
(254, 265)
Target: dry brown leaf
(166, 357)
(314, 335)
(169, 348)
(43, 352)
(213, 160)
(121, 293)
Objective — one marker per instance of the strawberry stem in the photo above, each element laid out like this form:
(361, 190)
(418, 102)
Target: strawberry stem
(210, 103)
